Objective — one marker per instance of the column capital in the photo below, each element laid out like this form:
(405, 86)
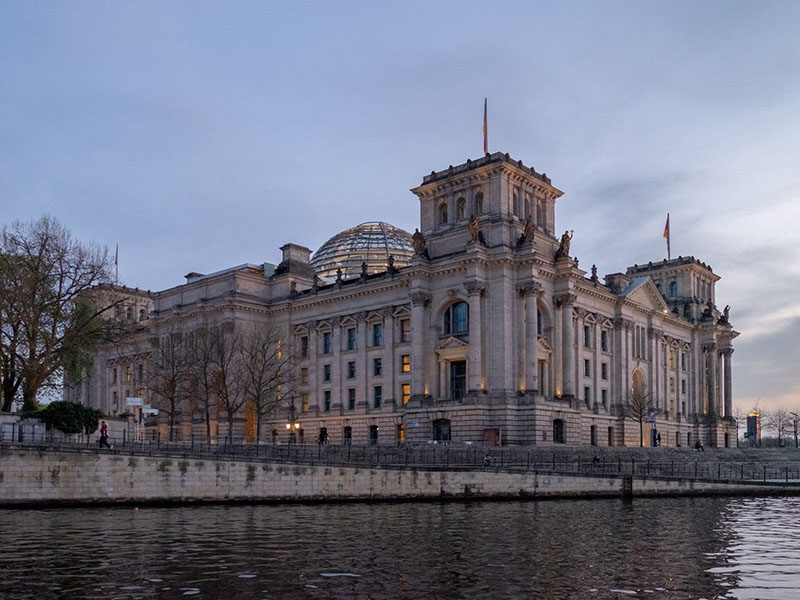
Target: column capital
(727, 351)
(565, 299)
(419, 298)
(623, 323)
(655, 333)
(474, 288)
(531, 288)
(709, 346)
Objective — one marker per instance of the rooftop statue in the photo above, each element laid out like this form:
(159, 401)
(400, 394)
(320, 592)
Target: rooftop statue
(563, 248)
(418, 241)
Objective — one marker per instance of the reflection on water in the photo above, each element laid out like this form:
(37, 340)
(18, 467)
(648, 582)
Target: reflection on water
(654, 548)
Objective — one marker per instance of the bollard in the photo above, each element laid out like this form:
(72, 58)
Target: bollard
(158, 443)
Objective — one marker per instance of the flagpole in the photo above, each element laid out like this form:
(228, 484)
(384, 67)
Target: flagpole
(116, 265)
(668, 234)
(485, 128)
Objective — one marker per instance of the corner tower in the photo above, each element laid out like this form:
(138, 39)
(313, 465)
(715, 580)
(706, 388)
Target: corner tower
(503, 195)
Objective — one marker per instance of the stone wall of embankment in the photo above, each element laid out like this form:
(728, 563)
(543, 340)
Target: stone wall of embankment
(36, 477)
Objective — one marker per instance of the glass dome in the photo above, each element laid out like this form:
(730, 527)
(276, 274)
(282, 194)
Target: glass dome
(369, 242)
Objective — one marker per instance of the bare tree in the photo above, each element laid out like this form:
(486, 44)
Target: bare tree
(47, 326)
(268, 372)
(228, 382)
(740, 416)
(169, 372)
(778, 420)
(638, 406)
(203, 360)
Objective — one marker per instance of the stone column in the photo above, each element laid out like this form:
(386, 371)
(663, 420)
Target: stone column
(531, 292)
(475, 369)
(727, 382)
(389, 363)
(711, 376)
(337, 389)
(419, 300)
(362, 376)
(314, 397)
(568, 345)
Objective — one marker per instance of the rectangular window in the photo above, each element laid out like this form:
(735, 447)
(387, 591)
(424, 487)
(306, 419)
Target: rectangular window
(113, 376)
(405, 363)
(304, 346)
(683, 361)
(326, 342)
(405, 330)
(377, 367)
(683, 386)
(604, 341)
(377, 396)
(586, 368)
(586, 396)
(604, 370)
(141, 372)
(304, 401)
(351, 398)
(377, 334)
(326, 373)
(304, 375)
(604, 396)
(114, 398)
(587, 333)
(672, 384)
(127, 373)
(671, 358)
(406, 391)
(327, 397)
(351, 369)
(351, 338)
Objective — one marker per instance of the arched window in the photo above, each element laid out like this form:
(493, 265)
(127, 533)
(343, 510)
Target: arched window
(142, 314)
(461, 209)
(456, 318)
(443, 213)
(673, 289)
(479, 203)
(129, 314)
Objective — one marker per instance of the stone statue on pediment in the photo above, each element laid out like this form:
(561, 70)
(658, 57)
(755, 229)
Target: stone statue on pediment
(723, 318)
(527, 232)
(563, 247)
(418, 241)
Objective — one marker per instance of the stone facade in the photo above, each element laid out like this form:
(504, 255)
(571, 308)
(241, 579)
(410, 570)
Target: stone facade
(492, 333)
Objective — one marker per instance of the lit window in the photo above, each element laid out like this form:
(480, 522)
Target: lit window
(455, 318)
(304, 401)
(304, 375)
(127, 373)
(406, 391)
(405, 363)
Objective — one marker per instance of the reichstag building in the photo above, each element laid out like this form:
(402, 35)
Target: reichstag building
(477, 328)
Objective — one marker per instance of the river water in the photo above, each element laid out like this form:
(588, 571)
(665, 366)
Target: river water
(645, 548)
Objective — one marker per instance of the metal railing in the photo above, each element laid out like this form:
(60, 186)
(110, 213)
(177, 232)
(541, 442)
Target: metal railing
(427, 457)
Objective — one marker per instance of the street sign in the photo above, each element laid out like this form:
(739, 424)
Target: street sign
(650, 419)
(134, 402)
(149, 410)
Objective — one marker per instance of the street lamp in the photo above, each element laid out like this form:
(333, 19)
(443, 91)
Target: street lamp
(292, 426)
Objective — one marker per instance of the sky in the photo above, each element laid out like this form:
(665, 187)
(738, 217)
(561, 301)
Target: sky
(202, 135)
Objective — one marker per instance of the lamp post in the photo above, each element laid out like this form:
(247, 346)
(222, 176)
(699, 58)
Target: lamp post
(794, 424)
(292, 426)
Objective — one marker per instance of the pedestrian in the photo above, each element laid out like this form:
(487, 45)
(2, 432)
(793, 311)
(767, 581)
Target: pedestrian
(104, 435)
(658, 439)
(698, 445)
(487, 460)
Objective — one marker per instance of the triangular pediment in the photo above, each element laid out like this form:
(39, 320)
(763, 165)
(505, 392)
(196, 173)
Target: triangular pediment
(544, 346)
(451, 343)
(644, 292)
